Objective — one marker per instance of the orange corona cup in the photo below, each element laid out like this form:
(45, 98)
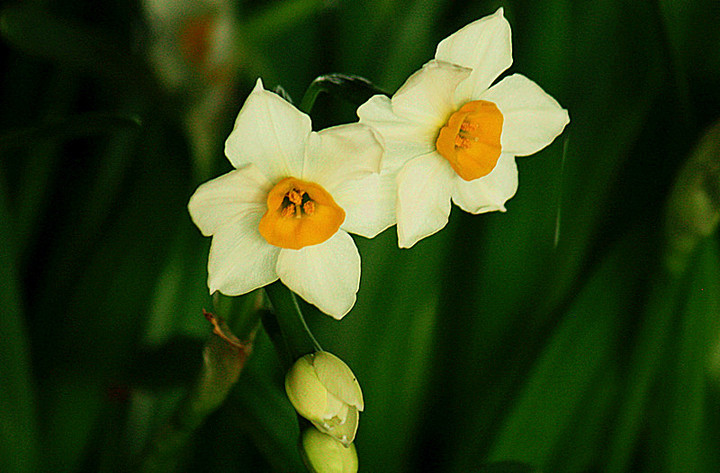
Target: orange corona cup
(299, 214)
(471, 139)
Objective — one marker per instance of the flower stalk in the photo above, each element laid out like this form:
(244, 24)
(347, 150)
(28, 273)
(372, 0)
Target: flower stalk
(298, 338)
(354, 89)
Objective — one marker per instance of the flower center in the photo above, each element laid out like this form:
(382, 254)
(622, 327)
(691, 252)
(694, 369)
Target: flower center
(470, 140)
(299, 214)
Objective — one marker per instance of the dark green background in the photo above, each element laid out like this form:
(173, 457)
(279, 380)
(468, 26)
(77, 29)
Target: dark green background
(551, 334)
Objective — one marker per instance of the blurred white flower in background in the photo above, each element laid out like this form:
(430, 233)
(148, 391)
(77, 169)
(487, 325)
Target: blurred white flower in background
(193, 50)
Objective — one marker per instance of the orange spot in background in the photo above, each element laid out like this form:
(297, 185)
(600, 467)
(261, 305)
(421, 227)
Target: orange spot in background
(195, 38)
(470, 140)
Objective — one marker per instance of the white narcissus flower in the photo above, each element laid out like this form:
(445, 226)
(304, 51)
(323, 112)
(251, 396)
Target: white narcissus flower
(285, 211)
(449, 134)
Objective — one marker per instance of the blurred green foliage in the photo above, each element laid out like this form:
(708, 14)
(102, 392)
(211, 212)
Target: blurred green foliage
(552, 335)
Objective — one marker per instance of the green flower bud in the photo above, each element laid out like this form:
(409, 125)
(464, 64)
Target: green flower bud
(325, 391)
(325, 454)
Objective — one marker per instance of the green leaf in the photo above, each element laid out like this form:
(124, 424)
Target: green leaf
(86, 124)
(102, 273)
(36, 32)
(692, 215)
(507, 467)
(681, 411)
(389, 341)
(260, 409)
(582, 347)
(412, 31)
(18, 428)
(280, 16)
(224, 357)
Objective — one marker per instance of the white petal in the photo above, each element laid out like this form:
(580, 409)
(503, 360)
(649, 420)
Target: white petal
(326, 275)
(227, 198)
(484, 46)
(427, 96)
(270, 133)
(369, 203)
(403, 139)
(488, 193)
(240, 258)
(531, 118)
(423, 205)
(342, 153)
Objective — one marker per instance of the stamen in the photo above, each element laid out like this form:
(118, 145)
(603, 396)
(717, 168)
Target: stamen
(467, 126)
(309, 207)
(288, 211)
(295, 196)
(462, 142)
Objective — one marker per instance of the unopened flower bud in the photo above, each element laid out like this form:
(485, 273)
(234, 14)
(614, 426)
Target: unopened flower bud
(325, 454)
(324, 390)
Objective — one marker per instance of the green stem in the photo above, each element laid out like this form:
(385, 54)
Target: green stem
(298, 337)
(354, 89)
(311, 94)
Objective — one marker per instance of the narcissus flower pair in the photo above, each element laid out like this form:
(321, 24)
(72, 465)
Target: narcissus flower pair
(447, 134)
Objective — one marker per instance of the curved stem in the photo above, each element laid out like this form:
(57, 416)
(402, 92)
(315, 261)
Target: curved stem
(298, 337)
(354, 89)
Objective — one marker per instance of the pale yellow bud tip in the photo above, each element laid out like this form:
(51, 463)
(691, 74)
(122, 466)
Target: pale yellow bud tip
(325, 454)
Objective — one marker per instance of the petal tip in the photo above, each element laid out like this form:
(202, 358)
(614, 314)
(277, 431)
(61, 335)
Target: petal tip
(339, 315)
(212, 287)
